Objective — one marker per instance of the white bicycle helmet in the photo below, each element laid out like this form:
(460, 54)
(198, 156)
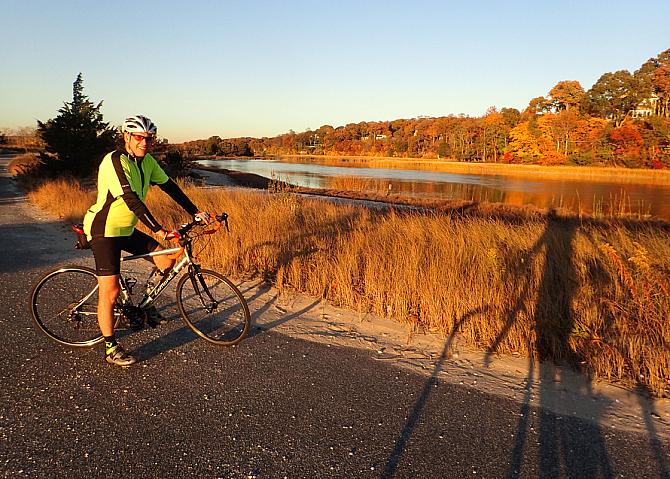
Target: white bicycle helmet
(139, 124)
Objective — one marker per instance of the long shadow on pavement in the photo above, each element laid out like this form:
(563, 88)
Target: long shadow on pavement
(405, 435)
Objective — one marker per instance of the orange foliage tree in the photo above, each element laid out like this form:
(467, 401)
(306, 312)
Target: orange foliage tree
(525, 142)
(567, 95)
(627, 142)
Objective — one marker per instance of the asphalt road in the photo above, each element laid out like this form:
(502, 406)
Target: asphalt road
(272, 407)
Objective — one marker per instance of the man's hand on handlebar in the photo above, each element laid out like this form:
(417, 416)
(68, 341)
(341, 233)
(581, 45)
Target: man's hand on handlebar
(204, 217)
(201, 219)
(170, 235)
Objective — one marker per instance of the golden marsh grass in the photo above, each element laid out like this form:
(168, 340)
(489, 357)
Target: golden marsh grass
(63, 198)
(591, 293)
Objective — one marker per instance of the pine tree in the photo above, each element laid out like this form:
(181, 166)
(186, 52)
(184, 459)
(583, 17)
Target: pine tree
(78, 137)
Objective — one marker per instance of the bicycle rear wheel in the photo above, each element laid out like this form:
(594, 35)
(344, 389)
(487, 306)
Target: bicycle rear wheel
(64, 304)
(213, 307)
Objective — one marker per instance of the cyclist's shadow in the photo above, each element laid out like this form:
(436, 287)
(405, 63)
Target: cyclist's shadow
(553, 318)
(183, 335)
(168, 337)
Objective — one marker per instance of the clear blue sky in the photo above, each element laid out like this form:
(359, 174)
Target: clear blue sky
(259, 68)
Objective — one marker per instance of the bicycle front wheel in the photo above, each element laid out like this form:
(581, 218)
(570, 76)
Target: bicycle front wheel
(64, 304)
(213, 307)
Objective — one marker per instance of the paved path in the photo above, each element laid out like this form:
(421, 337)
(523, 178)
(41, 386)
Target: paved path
(274, 407)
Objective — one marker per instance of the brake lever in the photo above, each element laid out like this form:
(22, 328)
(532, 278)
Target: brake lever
(223, 218)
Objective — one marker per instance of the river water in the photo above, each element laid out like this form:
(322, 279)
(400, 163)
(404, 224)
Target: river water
(573, 194)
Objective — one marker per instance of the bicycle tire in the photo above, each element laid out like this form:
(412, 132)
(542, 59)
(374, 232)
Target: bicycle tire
(218, 314)
(63, 305)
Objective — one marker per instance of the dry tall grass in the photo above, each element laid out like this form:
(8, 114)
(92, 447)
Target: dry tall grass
(64, 198)
(23, 164)
(593, 294)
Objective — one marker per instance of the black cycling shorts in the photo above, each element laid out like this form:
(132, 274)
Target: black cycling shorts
(107, 250)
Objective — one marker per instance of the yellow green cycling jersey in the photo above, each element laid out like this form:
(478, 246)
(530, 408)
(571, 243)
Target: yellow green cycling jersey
(123, 185)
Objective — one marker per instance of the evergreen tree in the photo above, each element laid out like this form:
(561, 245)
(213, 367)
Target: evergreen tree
(78, 137)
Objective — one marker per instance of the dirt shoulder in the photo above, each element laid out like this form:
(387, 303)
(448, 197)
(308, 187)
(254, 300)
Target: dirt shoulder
(448, 359)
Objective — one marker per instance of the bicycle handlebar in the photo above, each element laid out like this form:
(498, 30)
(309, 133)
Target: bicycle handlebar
(185, 228)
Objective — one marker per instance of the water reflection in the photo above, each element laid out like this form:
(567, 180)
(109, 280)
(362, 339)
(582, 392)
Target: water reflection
(575, 195)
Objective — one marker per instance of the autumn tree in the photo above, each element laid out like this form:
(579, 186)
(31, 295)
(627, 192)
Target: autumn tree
(212, 145)
(644, 77)
(77, 138)
(561, 129)
(511, 116)
(649, 82)
(613, 96)
(566, 95)
(538, 106)
(495, 131)
(661, 86)
(655, 131)
(628, 142)
(591, 144)
(525, 142)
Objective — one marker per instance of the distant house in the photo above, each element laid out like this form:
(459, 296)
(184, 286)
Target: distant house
(646, 107)
(376, 137)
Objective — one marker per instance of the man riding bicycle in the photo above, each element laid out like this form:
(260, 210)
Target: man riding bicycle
(124, 178)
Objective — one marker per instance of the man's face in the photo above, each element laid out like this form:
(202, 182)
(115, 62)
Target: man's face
(138, 144)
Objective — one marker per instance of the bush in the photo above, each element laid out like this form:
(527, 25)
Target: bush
(176, 165)
(582, 159)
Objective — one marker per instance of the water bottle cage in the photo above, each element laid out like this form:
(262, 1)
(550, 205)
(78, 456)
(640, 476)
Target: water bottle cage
(155, 278)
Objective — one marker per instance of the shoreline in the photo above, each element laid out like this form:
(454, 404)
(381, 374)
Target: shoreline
(458, 207)
(574, 172)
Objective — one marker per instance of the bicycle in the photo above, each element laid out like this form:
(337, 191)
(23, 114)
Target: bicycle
(63, 302)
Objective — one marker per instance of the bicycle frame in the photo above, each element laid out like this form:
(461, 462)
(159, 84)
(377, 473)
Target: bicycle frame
(184, 248)
(185, 242)
(151, 295)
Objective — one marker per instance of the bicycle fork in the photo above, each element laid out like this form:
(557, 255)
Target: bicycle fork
(194, 273)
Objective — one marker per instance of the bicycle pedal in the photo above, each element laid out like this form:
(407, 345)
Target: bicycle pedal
(135, 326)
(133, 318)
(154, 321)
(125, 323)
